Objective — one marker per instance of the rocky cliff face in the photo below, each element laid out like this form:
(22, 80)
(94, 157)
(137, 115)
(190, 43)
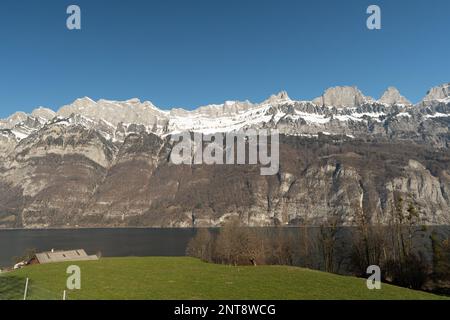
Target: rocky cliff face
(342, 97)
(393, 96)
(441, 92)
(107, 163)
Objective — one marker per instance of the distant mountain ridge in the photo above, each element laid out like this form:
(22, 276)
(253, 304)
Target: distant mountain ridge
(340, 104)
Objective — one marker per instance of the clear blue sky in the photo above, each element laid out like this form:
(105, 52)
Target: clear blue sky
(187, 53)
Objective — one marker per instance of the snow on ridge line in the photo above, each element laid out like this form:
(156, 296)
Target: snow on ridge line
(261, 114)
(20, 135)
(437, 115)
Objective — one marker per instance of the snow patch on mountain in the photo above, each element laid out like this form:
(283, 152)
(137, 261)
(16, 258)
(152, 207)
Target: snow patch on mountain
(336, 109)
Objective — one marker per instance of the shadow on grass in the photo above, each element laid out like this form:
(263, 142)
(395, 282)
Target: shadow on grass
(11, 288)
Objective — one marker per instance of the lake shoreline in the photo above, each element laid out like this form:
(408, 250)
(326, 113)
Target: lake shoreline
(154, 241)
(192, 228)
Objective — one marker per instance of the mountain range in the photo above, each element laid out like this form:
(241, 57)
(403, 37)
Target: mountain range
(343, 154)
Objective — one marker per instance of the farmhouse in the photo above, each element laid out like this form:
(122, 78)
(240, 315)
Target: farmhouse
(61, 256)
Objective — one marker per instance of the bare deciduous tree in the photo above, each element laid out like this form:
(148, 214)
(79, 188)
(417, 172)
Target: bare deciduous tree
(327, 238)
(201, 246)
(239, 245)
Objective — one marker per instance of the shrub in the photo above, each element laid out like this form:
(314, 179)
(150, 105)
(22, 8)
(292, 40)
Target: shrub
(411, 272)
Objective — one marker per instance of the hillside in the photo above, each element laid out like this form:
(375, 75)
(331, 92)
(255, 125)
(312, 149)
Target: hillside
(188, 278)
(107, 163)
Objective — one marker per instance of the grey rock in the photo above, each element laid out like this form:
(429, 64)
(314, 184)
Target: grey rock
(341, 97)
(437, 93)
(393, 96)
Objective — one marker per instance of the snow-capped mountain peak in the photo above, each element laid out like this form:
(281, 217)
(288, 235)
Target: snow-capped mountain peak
(43, 113)
(281, 97)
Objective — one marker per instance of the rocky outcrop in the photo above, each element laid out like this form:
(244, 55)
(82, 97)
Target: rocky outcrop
(392, 96)
(277, 99)
(341, 97)
(438, 93)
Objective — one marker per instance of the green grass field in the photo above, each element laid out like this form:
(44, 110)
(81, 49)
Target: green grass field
(188, 278)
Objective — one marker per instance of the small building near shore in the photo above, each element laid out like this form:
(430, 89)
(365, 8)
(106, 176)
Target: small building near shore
(61, 256)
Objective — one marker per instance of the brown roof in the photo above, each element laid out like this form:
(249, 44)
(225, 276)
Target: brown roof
(61, 256)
